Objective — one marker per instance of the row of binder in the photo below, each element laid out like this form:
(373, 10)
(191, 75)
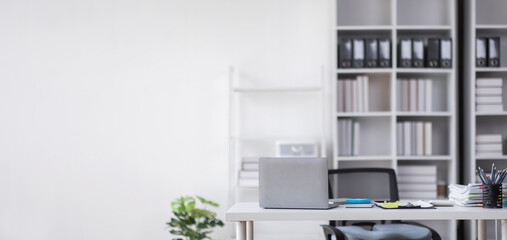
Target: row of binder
(436, 54)
(361, 53)
(487, 52)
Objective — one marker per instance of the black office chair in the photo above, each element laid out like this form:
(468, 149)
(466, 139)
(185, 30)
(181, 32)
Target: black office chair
(378, 184)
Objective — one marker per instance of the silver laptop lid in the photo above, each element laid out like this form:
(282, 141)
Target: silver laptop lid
(293, 182)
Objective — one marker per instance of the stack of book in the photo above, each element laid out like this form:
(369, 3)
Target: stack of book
(488, 95)
(414, 138)
(348, 137)
(353, 94)
(417, 182)
(466, 195)
(488, 144)
(249, 174)
(414, 95)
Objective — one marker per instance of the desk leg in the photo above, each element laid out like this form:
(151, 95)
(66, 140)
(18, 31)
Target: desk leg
(504, 229)
(481, 229)
(249, 230)
(241, 230)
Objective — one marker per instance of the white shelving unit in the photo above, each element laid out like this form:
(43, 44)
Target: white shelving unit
(258, 118)
(484, 18)
(395, 19)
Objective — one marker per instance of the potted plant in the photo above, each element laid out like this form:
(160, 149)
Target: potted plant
(190, 222)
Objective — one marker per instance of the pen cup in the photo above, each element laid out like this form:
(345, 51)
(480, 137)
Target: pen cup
(492, 195)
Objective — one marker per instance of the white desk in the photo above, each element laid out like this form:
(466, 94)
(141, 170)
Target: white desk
(244, 214)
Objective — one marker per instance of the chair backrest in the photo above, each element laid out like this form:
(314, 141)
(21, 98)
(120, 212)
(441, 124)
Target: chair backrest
(374, 183)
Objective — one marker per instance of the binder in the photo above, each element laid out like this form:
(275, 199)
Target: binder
(445, 53)
(480, 52)
(371, 53)
(417, 53)
(384, 53)
(358, 53)
(345, 53)
(494, 52)
(433, 53)
(405, 53)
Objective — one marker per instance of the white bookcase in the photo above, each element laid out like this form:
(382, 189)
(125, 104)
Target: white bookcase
(485, 18)
(259, 117)
(395, 19)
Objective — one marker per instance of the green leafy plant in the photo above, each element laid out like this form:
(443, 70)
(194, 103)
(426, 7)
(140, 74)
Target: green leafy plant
(191, 222)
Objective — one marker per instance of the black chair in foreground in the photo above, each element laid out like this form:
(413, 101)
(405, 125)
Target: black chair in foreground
(376, 184)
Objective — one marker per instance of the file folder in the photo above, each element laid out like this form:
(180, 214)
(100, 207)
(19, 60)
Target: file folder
(445, 53)
(494, 52)
(345, 53)
(371, 53)
(358, 53)
(384, 53)
(405, 53)
(417, 53)
(433, 53)
(480, 52)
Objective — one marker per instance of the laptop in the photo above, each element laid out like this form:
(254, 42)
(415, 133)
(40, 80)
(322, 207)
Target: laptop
(294, 182)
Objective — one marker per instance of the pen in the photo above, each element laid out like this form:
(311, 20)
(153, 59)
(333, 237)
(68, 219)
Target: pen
(480, 176)
(492, 173)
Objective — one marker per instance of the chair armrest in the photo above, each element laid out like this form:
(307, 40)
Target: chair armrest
(434, 234)
(332, 231)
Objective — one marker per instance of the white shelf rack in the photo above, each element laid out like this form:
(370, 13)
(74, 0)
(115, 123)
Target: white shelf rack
(395, 19)
(484, 18)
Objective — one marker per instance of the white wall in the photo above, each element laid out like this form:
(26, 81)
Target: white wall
(111, 109)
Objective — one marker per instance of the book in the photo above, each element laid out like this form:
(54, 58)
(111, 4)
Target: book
(418, 195)
(488, 91)
(248, 174)
(248, 182)
(489, 108)
(421, 170)
(399, 94)
(366, 93)
(488, 147)
(355, 96)
(419, 138)
(413, 95)
(399, 139)
(250, 166)
(359, 94)
(406, 98)
(417, 187)
(417, 179)
(407, 138)
(339, 97)
(421, 95)
(493, 52)
(356, 138)
(488, 100)
(489, 82)
(348, 96)
(488, 138)
(428, 91)
(428, 136)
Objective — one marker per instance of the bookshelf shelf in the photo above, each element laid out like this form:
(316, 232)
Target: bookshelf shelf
(364, 28)
(363, 70)
(424, 114)
(425, 70)
(491, 113)
(426, 158)
(479, 157)
(395, 19)
(492, 69)
(491, 27)
(364, 114)
(424, 27)
(364, 158)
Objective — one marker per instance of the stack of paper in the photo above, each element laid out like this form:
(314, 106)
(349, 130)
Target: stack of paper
(414, 95)
(488, 144)
(348, 137)
(414, 138)
(417, 182)
(488, 95)
(353, 94)
(248, 176)
(466, 195)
